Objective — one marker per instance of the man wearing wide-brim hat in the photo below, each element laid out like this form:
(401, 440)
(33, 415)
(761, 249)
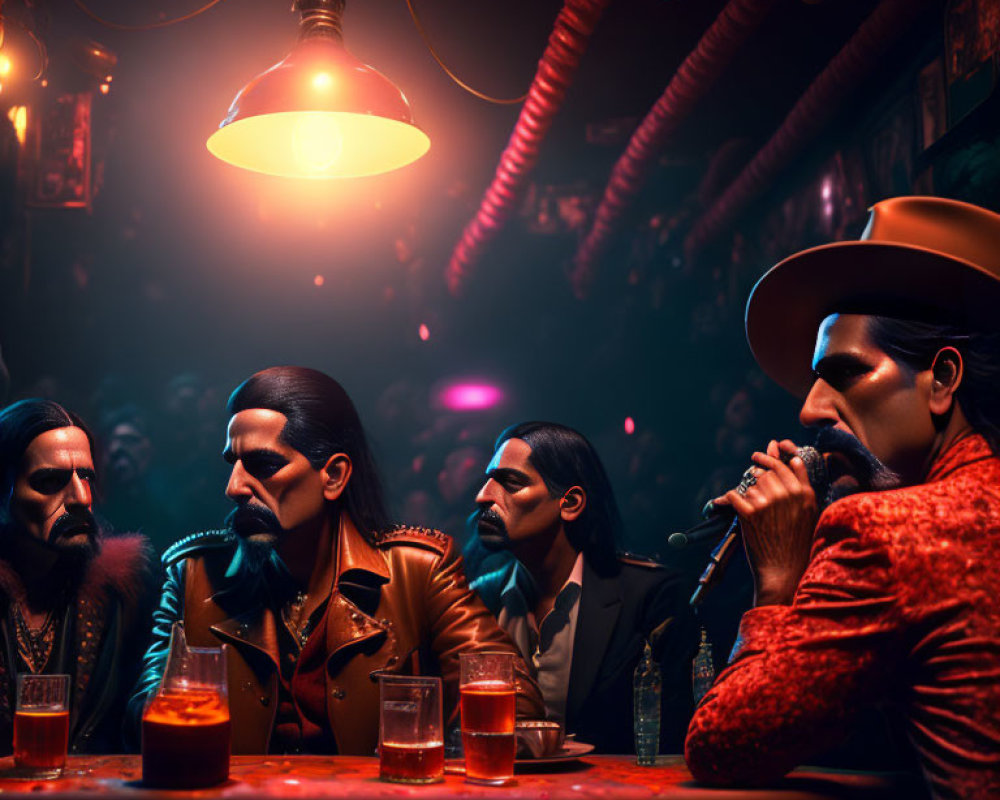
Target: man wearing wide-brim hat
(889, 596)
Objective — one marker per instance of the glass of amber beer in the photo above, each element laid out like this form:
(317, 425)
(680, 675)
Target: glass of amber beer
(41, 725)
(488, 700)
(411, 742)
(185, 725)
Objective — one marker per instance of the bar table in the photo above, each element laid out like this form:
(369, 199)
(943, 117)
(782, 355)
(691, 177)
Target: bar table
(354, 778)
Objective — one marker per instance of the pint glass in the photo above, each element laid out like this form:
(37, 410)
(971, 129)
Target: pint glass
(41, 725)
(488, 701)
(411, 742)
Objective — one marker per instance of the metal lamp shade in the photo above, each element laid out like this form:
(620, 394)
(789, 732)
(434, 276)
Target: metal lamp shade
(319, 113)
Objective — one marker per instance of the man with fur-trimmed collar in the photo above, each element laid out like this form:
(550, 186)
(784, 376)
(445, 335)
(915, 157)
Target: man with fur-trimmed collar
(71, 600)
(311, 587)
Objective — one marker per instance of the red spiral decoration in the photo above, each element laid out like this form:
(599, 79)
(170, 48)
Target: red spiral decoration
(567, 43)
(856, 59)
(693, 78)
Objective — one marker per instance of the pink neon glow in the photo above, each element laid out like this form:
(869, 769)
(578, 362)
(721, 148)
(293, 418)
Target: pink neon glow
(629, 425)
(424, 332)
(470, 396)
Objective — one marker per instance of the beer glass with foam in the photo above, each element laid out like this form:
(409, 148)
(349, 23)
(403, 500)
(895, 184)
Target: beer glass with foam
(41, 725)
(488, 701)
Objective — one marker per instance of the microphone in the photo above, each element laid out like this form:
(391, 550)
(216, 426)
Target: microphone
(718, 518)
(725, 518)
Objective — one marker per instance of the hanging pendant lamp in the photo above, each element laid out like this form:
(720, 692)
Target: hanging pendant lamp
(319, 113)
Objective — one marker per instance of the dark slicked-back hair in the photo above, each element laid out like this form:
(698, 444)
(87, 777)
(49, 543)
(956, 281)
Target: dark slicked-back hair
(322, 421)
(564, 458)
(915, 344)
(20, 423)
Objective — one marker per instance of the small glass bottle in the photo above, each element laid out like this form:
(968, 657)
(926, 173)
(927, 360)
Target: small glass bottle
(702, 669)
(646, 691)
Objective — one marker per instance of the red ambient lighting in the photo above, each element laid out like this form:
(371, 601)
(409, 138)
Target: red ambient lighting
(471, 396)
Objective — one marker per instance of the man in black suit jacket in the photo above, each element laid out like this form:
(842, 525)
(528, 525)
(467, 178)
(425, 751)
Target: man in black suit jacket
(579, 612)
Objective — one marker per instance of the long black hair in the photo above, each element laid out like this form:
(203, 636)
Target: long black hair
(20, 424)
(916, 343)
(322, 421)
(564, 458)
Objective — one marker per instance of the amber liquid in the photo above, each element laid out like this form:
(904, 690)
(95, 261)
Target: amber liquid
(185, 741)
(411, 763)
(41, 739)
(488, 731)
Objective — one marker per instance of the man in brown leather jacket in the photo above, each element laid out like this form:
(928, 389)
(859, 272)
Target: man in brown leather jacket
(312, 588)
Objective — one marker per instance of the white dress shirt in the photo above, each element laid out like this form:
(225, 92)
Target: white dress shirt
(547, 648)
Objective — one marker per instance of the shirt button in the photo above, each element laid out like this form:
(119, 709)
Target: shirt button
(265, 700)
(338, 693)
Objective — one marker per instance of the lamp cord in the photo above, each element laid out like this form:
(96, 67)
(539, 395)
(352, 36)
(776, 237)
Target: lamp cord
(148, 26)
(500, 101)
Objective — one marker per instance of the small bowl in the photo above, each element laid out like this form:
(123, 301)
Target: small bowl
(538, 738)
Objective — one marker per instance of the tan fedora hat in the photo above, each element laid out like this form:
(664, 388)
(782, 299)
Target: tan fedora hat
(919, 258)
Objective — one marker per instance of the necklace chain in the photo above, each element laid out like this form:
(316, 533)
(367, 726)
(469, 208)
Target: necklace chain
(34, 647)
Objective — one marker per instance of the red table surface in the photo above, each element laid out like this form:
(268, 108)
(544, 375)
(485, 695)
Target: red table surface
(253, 777)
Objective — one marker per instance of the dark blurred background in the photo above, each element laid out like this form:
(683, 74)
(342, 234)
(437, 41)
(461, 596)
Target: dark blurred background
(140, 292)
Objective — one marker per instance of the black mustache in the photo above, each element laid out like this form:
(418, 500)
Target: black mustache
(492, 519)
(72, 523)
(866, 467)
(249, 519)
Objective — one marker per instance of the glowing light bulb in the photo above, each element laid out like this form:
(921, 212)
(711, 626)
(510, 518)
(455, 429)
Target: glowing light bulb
(105, 88)
(316, 141)
(322, 80)
(5, 65)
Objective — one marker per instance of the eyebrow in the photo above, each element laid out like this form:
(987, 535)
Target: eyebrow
(46, 471)
(504, 473)
(262, 452)
(835, 360)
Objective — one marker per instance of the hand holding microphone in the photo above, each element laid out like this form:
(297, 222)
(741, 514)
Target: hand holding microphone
(776, 507)
(778, 514)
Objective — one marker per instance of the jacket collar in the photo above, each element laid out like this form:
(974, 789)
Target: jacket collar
(360, 572)
(354, 552)
(967, 449)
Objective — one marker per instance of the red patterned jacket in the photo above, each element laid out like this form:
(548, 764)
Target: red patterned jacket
(900, 604)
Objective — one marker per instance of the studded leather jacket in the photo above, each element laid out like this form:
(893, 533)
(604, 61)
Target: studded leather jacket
(399, 605)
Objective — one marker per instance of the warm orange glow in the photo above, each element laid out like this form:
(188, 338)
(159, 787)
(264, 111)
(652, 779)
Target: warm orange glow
(319, 113)
(107, 79)
(18, 115)
(319, 144)
(105, 88)
(319, 280)
(5, 65)
(45, 83)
